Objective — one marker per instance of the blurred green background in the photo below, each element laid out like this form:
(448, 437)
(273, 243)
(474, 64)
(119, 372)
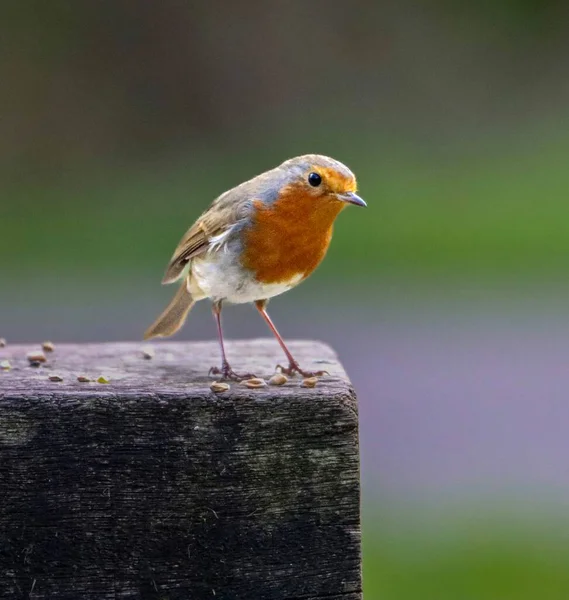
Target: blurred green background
(447, 299)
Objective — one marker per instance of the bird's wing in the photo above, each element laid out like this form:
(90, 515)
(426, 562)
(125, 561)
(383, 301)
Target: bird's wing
(210, 231)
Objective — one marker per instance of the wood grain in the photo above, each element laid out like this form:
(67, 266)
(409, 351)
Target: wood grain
(154, 487)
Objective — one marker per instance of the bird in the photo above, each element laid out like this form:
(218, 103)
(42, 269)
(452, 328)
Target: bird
(256, 241)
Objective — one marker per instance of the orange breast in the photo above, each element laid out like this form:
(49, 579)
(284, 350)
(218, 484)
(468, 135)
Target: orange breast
(289, 237)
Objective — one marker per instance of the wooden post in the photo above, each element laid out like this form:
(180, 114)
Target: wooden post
(154, 487)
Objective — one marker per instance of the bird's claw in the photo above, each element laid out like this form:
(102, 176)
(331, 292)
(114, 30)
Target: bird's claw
(294, 368)
(227, 372)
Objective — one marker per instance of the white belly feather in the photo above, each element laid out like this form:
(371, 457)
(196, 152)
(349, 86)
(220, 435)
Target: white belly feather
(217, 275)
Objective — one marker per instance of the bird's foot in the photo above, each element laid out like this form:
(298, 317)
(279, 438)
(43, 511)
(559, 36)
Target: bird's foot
(227, 372)
(294, 367)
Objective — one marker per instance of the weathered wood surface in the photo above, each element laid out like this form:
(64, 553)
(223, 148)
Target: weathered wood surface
(154, 487)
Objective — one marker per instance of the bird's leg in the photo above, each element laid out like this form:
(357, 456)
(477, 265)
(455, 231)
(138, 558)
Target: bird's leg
(226, 371)
(293, 366)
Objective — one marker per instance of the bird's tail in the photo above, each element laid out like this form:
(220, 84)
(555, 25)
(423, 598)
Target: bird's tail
(173, 316)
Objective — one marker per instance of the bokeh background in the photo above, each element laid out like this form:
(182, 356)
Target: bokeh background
(447, 299)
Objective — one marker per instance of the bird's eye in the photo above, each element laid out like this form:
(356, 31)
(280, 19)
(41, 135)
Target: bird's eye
(314, 179)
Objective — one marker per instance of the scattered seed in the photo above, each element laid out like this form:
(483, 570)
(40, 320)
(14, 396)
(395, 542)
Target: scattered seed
(83, 379)
(219, 386)
(36, 356)
(147, 352)
(278, 379)
(48, 346)
(309, 382)
(55, 377)
(255, 382)
(5, 365)
(3, 342)
(103, 379)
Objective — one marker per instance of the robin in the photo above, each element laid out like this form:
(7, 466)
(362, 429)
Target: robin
(256, 241)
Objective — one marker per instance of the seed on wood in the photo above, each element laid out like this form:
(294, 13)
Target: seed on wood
(2, 342)
(48, 346)
(83, 379)
(309, 382)
(36, 356)
(103, 379)
(5, 365)
(278, 379)
(55, 377)
(147, 352)
(255, 382)
(219, 386)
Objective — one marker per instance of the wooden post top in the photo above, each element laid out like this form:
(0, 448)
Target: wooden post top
(153, 486)
(167, 369)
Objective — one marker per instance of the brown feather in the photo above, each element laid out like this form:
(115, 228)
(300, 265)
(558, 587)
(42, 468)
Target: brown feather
(173, 316)
(224, 212)
(194, 242)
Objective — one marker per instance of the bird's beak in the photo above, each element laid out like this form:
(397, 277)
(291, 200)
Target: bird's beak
(352, 198)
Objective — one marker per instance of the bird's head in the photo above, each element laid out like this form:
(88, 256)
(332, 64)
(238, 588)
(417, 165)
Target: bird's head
(322, 178)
